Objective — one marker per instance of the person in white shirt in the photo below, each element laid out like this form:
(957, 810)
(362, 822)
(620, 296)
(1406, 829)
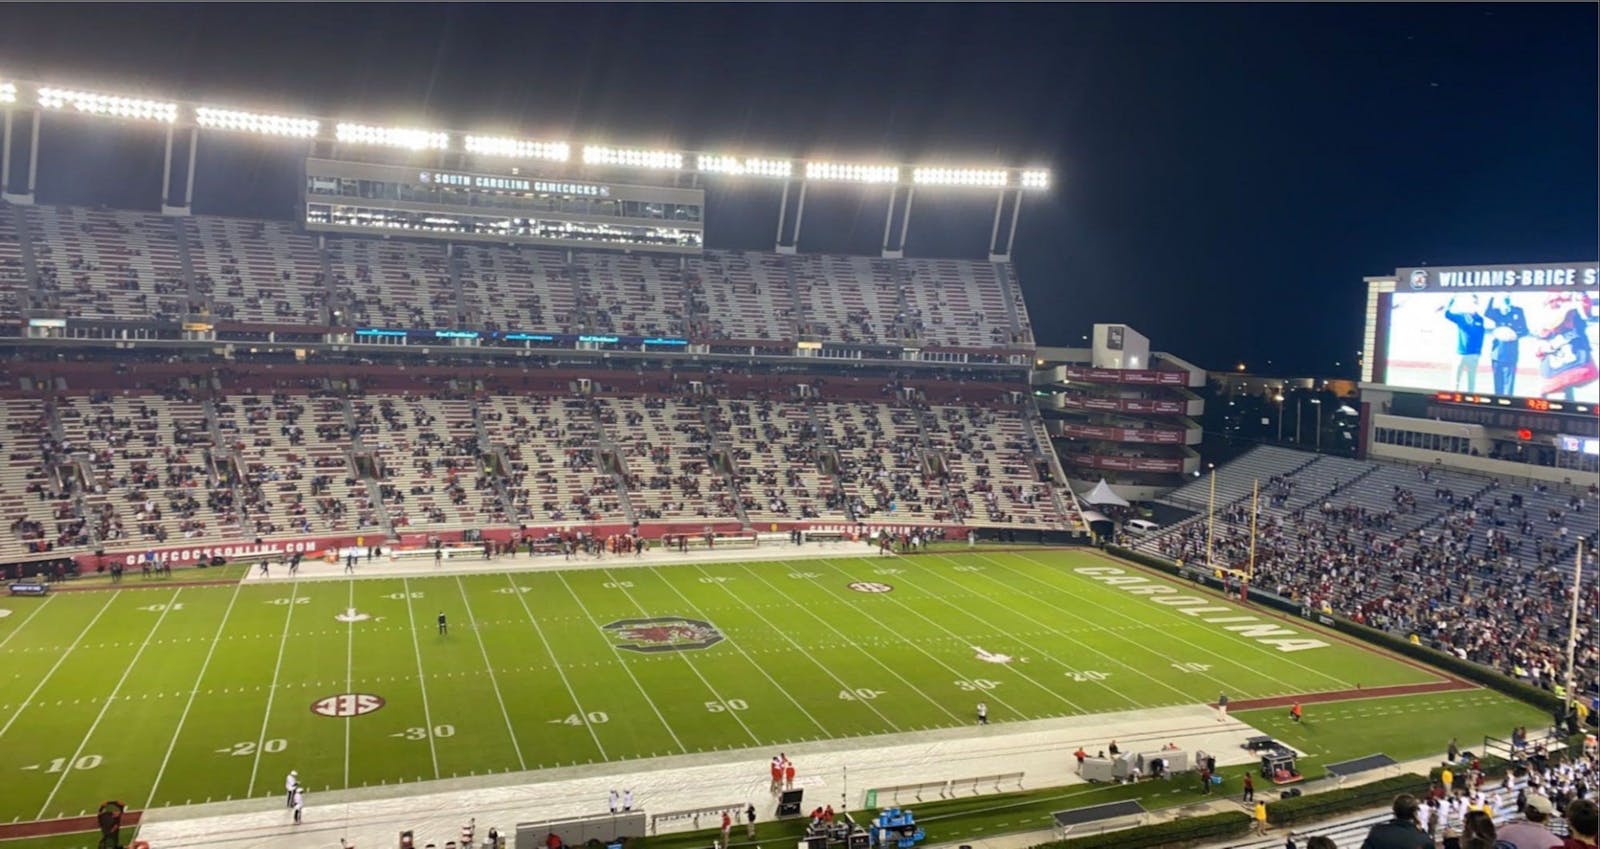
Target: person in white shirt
(627, 799)
(614, 800)
(290, 784)
(299, 803)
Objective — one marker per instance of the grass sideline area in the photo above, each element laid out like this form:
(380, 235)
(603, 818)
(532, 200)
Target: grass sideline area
(233, 685)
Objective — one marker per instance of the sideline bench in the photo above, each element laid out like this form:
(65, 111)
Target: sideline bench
(946, 789)
(693, 815)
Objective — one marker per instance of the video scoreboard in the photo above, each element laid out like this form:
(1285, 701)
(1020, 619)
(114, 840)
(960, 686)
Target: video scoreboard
(1504, 337)
(361, 197)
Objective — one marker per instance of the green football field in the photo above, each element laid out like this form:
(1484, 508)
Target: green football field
(161, 695)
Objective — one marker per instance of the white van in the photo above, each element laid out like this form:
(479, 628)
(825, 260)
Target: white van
(1141, 527)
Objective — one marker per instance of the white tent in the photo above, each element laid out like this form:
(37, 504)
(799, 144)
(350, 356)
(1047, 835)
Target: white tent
(1102, 494)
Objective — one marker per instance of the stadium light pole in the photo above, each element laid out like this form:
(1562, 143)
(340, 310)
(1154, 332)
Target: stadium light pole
(1211, 515)
(1279, 399)
(1317, 402)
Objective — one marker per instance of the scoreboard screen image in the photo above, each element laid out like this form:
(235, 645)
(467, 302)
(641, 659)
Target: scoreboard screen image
(1521, 343)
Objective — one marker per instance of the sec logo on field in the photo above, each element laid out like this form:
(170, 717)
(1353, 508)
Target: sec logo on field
(870, 587)
(347, 704)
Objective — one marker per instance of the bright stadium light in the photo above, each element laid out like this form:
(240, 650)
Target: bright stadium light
(1037, 179)
(993, 178)
(596, 155)
(8, 92)
(712, 164)
(254, 122)
(410, 139)
(852, 173)
(108, 105)
(518, 148)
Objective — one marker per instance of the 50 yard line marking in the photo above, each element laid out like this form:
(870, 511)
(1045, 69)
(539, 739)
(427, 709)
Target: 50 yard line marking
(110, 597)
(422, 679)
(790, 640)
(272, 691)
(683, 656)
(182, 718)
(472, 622)
(66, 768)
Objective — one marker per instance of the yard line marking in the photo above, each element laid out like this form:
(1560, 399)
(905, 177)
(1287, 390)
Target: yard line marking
(760, 668)
(1174, 614)
(797, 605)
(349, 678)
(183, 717)
(692, 668)
(1130, 667)
(904, 640)
(66, 769)
(26, 620)
(563, 673)
(272, 690)
(808, 655)
(110, 597)
(472, 622)
(422, 678)
(1014, 668)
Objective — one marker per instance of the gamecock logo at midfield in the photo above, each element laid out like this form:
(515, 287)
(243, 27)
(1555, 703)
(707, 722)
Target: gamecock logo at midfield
(663, 633)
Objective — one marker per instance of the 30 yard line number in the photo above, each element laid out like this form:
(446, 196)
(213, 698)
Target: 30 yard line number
(419, 733)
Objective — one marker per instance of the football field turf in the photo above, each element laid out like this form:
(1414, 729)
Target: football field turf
(159, 695)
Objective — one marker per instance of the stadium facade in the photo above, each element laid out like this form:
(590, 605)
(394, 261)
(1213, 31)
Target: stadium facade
(1121, 413)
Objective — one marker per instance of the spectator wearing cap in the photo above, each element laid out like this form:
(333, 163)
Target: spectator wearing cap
(1402, 832)
(1532, 831)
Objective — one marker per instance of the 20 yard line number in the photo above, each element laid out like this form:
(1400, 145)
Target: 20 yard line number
(248, 747)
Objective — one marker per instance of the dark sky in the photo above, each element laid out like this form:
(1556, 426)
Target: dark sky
(1225, 175)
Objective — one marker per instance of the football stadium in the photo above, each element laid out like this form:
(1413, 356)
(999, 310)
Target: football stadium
(483, 503)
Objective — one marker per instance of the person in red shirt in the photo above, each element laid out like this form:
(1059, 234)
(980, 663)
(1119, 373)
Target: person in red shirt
(788, 775)
(727, 824)
(1295, 712)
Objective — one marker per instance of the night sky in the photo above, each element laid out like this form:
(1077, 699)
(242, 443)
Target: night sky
(1224, 175)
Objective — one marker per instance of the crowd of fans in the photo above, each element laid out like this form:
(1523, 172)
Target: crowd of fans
(1485, 576)
(143, 469)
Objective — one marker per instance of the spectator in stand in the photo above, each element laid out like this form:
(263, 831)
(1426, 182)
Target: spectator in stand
(1583, 820)
(1532, 831)
(1402, 832)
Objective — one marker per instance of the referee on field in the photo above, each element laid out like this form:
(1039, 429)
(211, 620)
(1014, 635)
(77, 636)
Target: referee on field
(444, 627)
